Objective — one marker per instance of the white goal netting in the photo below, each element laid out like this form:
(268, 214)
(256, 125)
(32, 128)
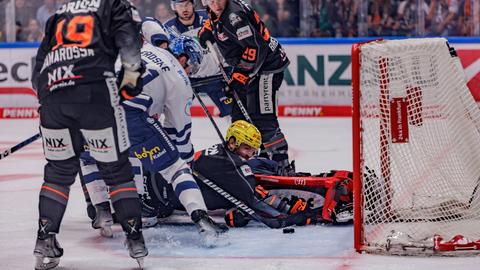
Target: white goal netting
(419, 145)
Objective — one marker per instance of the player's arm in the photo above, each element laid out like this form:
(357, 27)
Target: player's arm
(126, 28)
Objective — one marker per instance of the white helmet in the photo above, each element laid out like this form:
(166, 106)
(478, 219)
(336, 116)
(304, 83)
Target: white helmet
(173, 2)
(154, 32)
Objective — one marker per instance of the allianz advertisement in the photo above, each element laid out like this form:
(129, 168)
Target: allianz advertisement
(317, 80)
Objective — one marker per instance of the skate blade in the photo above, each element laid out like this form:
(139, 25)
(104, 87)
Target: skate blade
(140, 262)
(45, 263)
(106, 232)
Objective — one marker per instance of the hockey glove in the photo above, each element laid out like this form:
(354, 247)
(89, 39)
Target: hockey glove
(131, 83)
(238, 81)
(206, 34)
(236, 218)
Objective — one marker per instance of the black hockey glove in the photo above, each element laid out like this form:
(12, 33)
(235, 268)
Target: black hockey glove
(206, 34)
(130, 82)
(238, 81)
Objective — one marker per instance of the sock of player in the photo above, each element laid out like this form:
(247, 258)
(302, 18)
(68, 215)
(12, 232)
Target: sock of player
(185, 187)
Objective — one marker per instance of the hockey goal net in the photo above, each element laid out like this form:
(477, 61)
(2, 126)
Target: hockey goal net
(416, 140)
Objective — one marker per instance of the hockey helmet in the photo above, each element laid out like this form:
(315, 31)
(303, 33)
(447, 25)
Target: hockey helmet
(173, 2)
(184, 45)
(244, 132)
(154, 32)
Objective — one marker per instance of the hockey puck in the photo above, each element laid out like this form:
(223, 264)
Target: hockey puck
(288, 230)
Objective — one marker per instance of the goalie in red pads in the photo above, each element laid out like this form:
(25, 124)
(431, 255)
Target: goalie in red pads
(297, 199)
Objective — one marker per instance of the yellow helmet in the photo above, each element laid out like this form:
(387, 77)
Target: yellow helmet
(244, 132)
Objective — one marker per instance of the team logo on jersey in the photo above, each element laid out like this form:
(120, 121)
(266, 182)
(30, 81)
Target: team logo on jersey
(152, 153)
(234, 19)
(246, 170)
(244, 32)
(222, 36)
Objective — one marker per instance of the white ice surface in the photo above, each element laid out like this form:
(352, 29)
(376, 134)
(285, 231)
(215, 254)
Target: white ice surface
(316, 144)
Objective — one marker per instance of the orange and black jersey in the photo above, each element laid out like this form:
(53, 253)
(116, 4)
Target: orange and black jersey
(81, 44)
(245, 42)
(228, 171)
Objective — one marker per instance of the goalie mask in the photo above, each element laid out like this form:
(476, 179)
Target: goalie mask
(244, 132)
(154, 32)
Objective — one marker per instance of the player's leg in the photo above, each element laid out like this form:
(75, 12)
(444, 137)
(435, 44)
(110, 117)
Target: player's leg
(61, 147)
(153, 147)
(105, 131)
(261, 102)
(97, 192)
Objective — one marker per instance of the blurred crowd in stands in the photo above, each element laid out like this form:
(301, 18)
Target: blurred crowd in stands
(297, 18)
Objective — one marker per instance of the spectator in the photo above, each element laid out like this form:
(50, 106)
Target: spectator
(324, 16)
(381, 18)
(19, 33)
(24, 11)
(346, 18)
(407, 17)
(266, 10)
(163, 12)
(441, 17)
(34, 33)
(45, 11)
(287, 18)
(465, 18)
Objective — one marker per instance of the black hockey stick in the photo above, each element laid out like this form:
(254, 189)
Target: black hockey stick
(269, 222)
(19, 146)
(218, 58)
(197, 82)
(209, 115)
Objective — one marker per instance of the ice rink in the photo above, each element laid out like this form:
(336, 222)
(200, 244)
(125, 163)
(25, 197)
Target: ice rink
(317, 144)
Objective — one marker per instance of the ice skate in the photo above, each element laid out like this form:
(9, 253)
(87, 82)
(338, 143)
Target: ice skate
(137, 249)
(209, 230)
(103, 219)
(47, 252)
(135, 242)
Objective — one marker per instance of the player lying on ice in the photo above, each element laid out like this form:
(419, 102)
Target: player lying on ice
(280, 201)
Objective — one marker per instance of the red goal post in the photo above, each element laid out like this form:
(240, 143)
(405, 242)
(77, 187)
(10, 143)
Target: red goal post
(416, 150)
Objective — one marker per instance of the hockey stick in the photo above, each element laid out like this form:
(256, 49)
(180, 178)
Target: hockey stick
(19, 146)
(217, 56)
(197, 82)
(269, 222)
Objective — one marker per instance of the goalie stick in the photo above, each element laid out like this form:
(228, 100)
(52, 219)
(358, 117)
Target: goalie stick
(19, 146)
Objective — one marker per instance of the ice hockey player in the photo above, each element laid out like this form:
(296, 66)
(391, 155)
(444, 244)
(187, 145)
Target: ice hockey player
(163, 148)
(79, 98)
(258, 62)
(187, 22)
(228, 167)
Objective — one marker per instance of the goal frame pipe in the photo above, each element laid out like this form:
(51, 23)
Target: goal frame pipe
(356, 144)
(358, 199)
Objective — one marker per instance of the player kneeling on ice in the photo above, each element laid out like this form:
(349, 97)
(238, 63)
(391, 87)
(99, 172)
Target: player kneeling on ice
(160, 148)
(292, 200)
